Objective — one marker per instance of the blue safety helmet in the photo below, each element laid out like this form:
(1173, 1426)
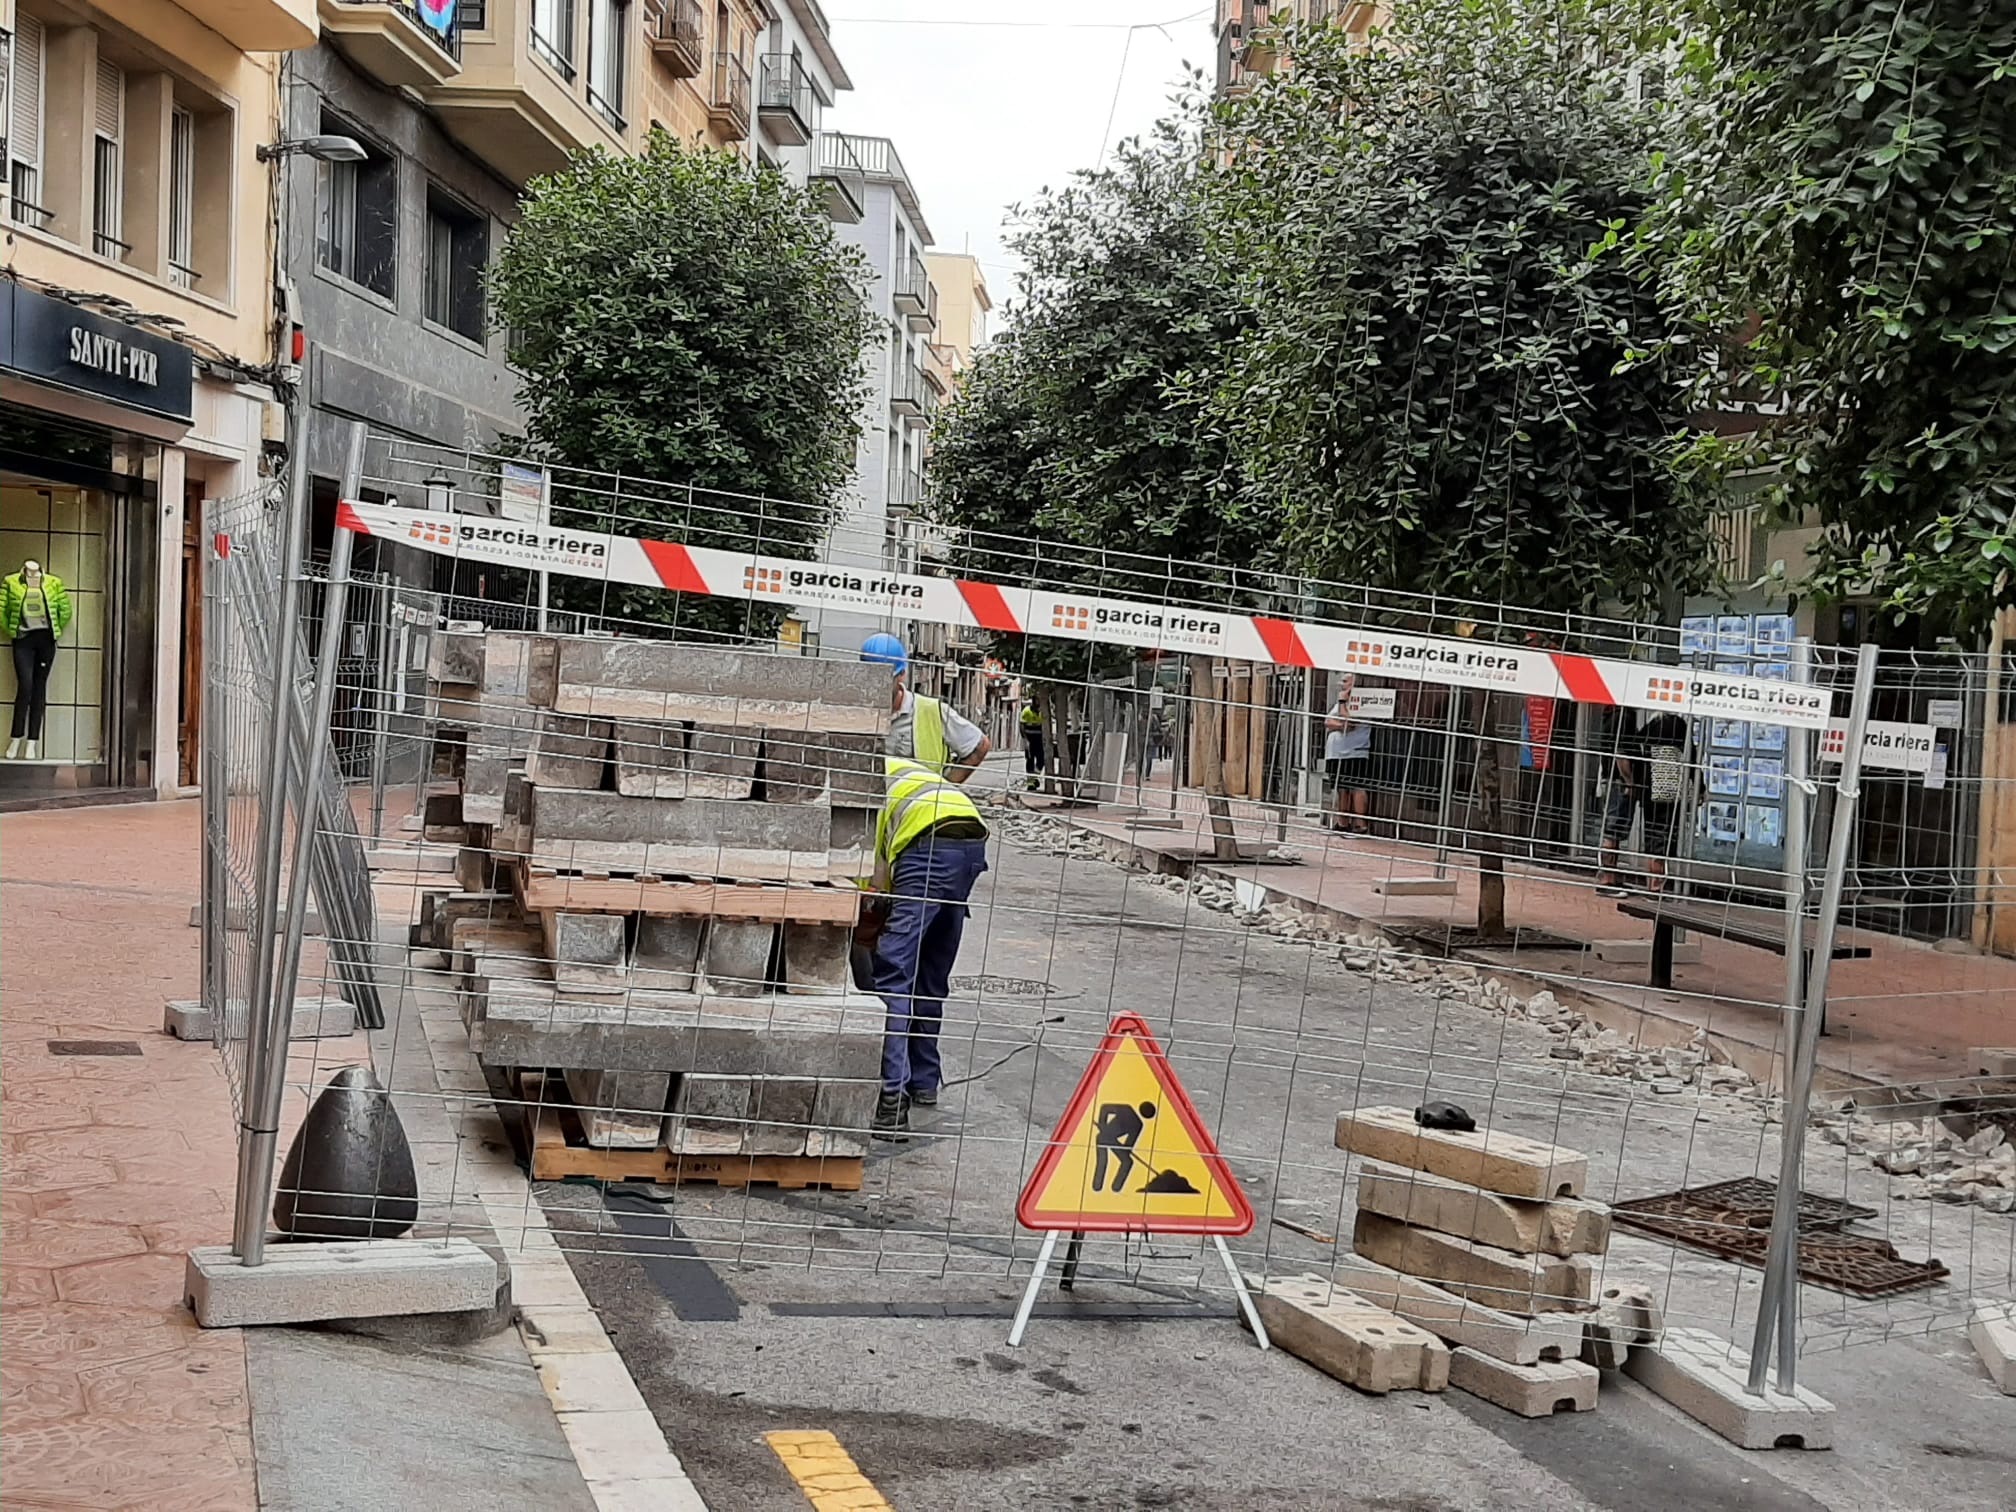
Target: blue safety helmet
(889, 651)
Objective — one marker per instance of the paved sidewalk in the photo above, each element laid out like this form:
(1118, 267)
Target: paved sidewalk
(1908, 1013)
(111, 1167)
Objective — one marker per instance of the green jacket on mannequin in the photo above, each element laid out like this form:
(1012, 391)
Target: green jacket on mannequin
(14, 602)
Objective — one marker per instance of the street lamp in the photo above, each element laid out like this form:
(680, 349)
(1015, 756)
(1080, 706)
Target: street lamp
(324, 149)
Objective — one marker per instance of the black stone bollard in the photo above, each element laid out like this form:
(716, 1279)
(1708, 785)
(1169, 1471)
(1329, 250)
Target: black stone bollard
(349, 1173)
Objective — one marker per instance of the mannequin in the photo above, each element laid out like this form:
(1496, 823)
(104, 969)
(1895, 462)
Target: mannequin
(34, 611)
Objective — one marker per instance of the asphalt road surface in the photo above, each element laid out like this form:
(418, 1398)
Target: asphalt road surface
(882, 1316)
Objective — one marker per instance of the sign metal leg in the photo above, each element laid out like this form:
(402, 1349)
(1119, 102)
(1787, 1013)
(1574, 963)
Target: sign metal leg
(1245, 1298)
(1035, 1285)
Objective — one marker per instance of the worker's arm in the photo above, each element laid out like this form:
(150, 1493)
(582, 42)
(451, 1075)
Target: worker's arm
(962, 767)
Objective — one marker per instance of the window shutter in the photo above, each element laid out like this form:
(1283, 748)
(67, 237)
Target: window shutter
(25, 126)
(111, 99)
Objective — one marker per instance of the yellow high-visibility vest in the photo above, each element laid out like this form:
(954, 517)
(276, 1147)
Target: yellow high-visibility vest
(927, 733)
(917, 799)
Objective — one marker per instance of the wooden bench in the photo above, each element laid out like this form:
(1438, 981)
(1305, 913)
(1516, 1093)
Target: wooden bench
(1740, 923)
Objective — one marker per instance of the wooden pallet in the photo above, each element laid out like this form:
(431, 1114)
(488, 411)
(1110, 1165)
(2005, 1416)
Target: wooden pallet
(561, 1150)
(545, 890)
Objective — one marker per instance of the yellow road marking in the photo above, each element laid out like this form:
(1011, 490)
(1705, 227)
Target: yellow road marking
(826, 1473)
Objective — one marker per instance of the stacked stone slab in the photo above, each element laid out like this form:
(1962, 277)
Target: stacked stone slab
(701, 813)
(1484, 1239)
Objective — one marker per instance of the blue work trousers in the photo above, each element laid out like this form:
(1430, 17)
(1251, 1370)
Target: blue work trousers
(929, 885)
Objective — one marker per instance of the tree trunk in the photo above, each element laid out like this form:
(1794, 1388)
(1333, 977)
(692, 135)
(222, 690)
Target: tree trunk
(1490, 819)
(1210, 748)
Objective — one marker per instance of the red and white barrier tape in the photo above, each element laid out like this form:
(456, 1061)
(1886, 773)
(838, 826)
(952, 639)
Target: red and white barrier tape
(1082, 617)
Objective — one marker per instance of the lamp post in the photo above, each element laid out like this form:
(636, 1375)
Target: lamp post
(270, 1018)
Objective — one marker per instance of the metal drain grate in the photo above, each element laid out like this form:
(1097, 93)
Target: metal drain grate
(94, 1047)
(1732, 1219)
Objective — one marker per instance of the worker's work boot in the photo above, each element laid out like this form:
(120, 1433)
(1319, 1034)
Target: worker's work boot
(924, 1099)
(892, 1116)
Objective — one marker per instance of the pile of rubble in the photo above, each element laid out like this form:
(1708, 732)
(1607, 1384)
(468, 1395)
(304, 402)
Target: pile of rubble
(1928, 1158)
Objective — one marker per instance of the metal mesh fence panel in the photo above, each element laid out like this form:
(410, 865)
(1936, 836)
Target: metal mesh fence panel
(1568, 919)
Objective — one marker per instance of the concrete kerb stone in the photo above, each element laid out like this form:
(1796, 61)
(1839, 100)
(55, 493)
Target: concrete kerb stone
(1627, 1316)
(1564, 1226)
(1992, 1332)
(1503, 1336)
(1345, 1336)
(1494, 1159)
(307, 1283)
(238, 919)
(314, 1018)
(1500, 1279)
(1530, 1390)
(1708, 1380)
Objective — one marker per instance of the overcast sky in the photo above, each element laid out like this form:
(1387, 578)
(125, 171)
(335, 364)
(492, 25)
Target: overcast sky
(985, 115)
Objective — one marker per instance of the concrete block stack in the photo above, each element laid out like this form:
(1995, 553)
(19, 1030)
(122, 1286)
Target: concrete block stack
(1483, 1240)
(678, 829)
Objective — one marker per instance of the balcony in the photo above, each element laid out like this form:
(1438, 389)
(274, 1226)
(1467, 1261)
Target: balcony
(906, 492)
(258, 25)
(910, 396)
(785, 108)
(838, 180)
(678, 35)
(389, 41)
(520, 102)
(913, 296)
(728, 110)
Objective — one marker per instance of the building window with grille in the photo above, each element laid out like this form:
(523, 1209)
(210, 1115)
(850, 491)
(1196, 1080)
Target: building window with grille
(24, 124)
(357, 215)
(108, 179)
(553, 34)
(458, 251)
(606, 21)
(182, 198)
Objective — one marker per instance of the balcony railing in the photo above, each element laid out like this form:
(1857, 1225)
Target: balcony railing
(906, 491)
(912, 293)
(909, 395)
(786, 105)
(450, 41)
(838, 179)
(730, 108)
(182, 275)
(677, 34)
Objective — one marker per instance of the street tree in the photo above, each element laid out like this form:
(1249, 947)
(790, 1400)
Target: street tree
(1441, 389)
(693, 326)
(1078, 453)
(1841, 219)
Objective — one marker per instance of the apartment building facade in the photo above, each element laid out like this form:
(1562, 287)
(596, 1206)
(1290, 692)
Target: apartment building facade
(875, 530)
(135, 337)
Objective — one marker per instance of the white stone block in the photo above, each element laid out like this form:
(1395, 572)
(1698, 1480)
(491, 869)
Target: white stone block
(307, 1283)
(314, 1018)
(1529, 1390)
(1343, 1335)
(1416, 887)
(1519, 1341)
(1708, 1380)
(1993, 1335)
(1639, 952)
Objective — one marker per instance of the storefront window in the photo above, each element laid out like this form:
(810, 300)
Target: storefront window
(64, 529)
(79, 502)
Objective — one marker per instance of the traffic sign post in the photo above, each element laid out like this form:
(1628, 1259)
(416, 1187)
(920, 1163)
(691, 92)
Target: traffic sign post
(1131, 1156)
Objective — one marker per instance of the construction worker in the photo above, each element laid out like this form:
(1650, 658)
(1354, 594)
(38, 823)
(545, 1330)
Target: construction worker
(930, 848)
(924, 729)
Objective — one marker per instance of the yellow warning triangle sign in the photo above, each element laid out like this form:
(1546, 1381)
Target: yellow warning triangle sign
(1130, 1154)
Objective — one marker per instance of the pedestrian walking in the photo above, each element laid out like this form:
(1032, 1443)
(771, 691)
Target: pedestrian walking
(930, 849)
(1347, 761)
(921, 729)
(1031, 721)
(1648, 777)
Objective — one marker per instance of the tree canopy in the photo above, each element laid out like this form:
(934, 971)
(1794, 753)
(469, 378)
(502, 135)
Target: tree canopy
(1441, 388)
(684, 320)
(1842, 219)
